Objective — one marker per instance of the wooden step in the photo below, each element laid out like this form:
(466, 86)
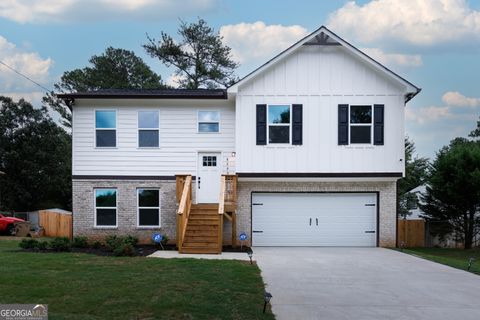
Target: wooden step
(204, 212)
(189, 238)
(205, 206)
(210, 228)
(200, 250)
(203, 217)
(200, 245)
(202, 222)
(201, 233)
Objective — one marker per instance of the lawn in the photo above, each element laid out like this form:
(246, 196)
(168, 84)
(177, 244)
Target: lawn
(457, 258)
(83, 286)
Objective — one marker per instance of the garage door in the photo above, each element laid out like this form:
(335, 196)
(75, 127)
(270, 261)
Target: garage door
(314, 219)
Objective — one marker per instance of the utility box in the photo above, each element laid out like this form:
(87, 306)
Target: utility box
(22, 229)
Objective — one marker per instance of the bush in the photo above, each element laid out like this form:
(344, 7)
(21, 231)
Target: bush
(80, 242)
(164, 240)
(121, 246)
(124, 249)
(42, 245)
(96, 244)
(28, 244)
(60, 244)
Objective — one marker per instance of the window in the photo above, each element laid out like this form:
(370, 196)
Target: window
(360, 124)
(209, 161)
(105, 207)
(208, 121)
(148, 133)
(279, 123)
(105, 128)
(148, 208)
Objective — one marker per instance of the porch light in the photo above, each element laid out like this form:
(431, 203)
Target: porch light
(250, 255)
(470, 261)
(266, 297)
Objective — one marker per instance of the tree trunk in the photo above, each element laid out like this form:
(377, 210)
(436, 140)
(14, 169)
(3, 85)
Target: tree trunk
(469, 229)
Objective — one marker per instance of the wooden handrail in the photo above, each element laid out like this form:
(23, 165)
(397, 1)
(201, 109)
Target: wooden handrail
(184, 205)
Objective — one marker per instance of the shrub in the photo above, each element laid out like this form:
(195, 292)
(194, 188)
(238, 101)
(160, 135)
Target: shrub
(131, 240)
(96, 244)
(28, 244)
(164, 240)
(124, 249)
(60, 244)
(42, 245)
(80, 242)
(112, 242)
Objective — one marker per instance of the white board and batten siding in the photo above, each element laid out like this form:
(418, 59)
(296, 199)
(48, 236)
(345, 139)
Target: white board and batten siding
(320, 78)
(180, 142)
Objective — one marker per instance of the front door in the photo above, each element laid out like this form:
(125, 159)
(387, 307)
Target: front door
(208, 178)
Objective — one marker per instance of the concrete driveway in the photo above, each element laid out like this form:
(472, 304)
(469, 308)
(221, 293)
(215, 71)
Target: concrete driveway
(365, 283)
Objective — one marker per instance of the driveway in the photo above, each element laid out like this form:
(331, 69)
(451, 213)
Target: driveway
(365, 283)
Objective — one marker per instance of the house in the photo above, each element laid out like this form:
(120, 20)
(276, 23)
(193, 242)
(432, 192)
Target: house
(304, 151)
(414, 210)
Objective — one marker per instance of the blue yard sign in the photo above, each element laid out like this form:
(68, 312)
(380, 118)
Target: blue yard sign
(157, 238)
(243, 236)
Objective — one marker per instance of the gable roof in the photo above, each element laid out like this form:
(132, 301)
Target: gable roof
(148, 94)
(323, 36)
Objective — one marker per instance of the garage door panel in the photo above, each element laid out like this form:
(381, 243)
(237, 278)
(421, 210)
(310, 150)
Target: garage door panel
(314, 219)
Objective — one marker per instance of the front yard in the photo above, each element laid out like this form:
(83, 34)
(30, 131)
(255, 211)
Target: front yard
(457, 258)
(83, 286)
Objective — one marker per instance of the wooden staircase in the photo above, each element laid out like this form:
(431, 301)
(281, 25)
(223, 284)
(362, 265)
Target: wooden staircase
(200, 226)
(202, 231)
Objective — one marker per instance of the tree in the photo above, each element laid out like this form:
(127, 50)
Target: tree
(415, 175)
(200, 58)
(114, 69)
(476, 132)
(453, 190)
(35, 154)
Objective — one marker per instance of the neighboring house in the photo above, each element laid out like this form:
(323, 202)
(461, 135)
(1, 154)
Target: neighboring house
(314, 139)
(413, 207)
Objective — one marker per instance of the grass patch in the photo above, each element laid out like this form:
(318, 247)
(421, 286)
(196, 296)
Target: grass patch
(83, 286)
(457, 258)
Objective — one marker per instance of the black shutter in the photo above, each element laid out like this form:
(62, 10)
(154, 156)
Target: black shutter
(342, 124)
(378, 124)
(297, 117)
(261, 124)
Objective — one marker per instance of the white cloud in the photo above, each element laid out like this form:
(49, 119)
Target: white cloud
(258, 41)
(42, 11)
(34, 97)
(174, 80)
(416, 22)
(454, 98)
(394, 59)
(30, 64)
(427, 114)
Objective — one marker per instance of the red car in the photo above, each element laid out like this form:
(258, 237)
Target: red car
(7, 224)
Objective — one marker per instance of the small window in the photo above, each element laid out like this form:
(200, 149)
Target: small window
(148, 133)
(209, 161)
(360, 124)
(208, 121)
(148, 207)
(279, 123)
(106, 207)
(105, 128)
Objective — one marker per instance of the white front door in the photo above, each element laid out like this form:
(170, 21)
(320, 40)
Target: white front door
(208, 178)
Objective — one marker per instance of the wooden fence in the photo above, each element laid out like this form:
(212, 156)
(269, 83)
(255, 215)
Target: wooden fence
(55, 224)
(411, 233)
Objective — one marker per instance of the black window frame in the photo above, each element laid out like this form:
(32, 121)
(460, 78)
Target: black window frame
(139, 208)
(350, 125)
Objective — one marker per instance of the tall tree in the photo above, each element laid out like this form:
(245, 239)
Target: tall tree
(200, 58)
(453, 190)
(476, 132)
(113, 69)
(415, 175)
(35, 154)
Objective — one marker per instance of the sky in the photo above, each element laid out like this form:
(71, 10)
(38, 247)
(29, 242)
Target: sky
(435, 44)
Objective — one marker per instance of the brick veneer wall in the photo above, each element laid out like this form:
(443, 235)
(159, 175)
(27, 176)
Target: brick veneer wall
(83, 208)
(387, 189)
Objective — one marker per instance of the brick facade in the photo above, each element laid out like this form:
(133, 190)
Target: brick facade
(83, 205)
(83, 208)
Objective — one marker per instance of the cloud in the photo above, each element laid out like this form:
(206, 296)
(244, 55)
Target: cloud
(34, 97)
(258, 41)
(428, 114)
(455, 98)
(30, 64)
(420, 23)
(46, 11)
(394, 59)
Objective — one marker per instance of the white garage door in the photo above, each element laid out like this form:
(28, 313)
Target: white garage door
(314, 219)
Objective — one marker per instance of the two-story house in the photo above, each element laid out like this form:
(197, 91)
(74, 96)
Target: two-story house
(304, 151)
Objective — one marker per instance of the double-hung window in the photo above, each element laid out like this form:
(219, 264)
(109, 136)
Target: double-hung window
(361, 124)
(106, 207)
(148, 207)
(208, 121)
(148, 129)
(279, 120)
(105, 128)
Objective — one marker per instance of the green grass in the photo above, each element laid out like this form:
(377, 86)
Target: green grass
(83, 286)
(457, 258)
